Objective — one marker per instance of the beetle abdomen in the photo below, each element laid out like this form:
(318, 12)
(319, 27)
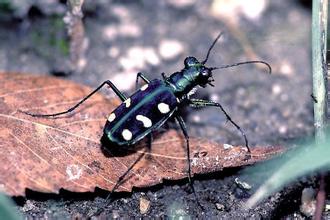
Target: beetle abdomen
(147, 109)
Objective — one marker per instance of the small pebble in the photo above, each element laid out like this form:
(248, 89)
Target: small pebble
(283, 129)
(286, 112)
(129, 30)
(134, 58)
(2, 187)
(110, 32)
(196, 118)
(122, 12)
(286, 69)
(253, 9)
(220, 206)
(113, 52)
(276, 89)
(227, 146)
(115, 214)
(28, 206)
(81, 64)
(284, 97)
(240, 92)
(124, 81)
(232, 9)
(308, 202)
(170, 49)
(137, 58)
(242, 184)
(151, 56)
(181, 3)
(144, 205)
(214, 97)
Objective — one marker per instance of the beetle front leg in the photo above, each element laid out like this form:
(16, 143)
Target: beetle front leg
(197, 103)
(143, 77)
(107, 82)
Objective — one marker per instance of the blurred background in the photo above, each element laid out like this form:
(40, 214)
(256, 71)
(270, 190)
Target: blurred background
(92, 41)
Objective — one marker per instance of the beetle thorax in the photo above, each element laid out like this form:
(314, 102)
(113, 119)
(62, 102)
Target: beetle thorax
(193, 74)
(183, 82)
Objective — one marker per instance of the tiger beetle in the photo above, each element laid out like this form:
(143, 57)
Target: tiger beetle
(155, 102)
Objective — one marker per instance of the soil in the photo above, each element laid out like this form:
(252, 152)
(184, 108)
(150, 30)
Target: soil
(272, 109)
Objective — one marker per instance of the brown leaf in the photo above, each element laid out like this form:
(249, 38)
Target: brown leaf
(47, 154)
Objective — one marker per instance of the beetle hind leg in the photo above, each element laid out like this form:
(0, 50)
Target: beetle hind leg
(121, 179)
(107, 82)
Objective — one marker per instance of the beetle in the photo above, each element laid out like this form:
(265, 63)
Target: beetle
(155, 102)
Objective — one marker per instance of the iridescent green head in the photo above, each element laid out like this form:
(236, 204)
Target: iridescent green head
(197, 72)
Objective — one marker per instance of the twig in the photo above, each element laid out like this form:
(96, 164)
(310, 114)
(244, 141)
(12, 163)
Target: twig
(76, 32)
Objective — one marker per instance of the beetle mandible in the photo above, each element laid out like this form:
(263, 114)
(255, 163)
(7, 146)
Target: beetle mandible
(154, 103)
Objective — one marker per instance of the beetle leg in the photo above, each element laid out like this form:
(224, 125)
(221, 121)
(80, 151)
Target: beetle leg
(150, 140)
(164, 76)
(143, 77)
(204, 103)
(121, 178)
(108, 82)
(185, 133)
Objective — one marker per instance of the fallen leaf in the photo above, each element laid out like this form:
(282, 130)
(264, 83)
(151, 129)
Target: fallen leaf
(47, 154)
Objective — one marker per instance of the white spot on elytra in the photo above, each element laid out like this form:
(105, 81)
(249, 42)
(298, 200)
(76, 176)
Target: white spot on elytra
(177, 99)
(73, 171)
(128, 102)
(163, 108)
(127, 135)
(146, 121)
(111, 117)
(144, 87)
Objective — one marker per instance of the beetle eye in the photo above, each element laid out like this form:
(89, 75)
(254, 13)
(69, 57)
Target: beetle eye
(205, 73)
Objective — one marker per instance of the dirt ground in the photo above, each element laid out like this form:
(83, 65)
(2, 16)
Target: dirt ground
(272, 109)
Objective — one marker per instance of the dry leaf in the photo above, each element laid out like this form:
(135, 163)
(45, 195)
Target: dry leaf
(47, 154)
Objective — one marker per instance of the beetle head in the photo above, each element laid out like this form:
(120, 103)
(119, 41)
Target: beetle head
(202, 75)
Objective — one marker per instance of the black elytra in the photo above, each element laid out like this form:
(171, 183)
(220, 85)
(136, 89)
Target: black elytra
(146, 110)
(156, 101)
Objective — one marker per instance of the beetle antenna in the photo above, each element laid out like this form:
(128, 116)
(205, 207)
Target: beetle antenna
(209, 50)
(246, 62)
